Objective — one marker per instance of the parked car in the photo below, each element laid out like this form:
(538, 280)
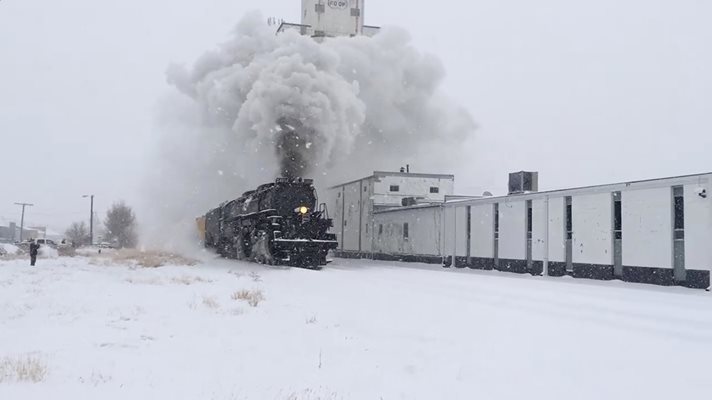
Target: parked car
(47, 242)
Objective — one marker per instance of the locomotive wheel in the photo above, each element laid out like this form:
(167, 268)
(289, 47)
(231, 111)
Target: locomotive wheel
(262, 249)
(239, 248)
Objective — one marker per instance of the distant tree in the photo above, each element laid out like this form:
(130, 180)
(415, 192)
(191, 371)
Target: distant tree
(120, 225)
(78, 234)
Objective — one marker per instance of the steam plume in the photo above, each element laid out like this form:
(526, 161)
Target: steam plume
(355, 105)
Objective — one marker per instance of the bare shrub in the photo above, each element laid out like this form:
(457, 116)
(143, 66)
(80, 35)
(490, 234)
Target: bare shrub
(253, 297)
(311, 320)
(210, 302)
(66, 251)
(22, 369)
(255, 277)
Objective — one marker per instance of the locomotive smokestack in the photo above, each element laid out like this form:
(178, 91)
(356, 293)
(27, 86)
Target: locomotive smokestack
(293, 147)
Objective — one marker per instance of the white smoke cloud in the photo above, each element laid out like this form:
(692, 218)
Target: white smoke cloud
(366, 103)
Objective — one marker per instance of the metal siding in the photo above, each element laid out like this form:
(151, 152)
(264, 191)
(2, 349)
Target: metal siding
(698, 227)
(482, 242)
(512, 230)
(557, 248)
(593, 229)
(424, 226)
(539, 240)
(647, 227)
(461, 231)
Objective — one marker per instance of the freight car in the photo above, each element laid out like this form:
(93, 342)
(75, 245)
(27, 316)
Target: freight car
(277, 224)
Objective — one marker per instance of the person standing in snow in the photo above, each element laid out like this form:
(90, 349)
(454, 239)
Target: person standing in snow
(34, 249)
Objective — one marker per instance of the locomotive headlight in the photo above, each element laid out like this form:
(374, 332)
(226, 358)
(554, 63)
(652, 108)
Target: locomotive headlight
(303, 210)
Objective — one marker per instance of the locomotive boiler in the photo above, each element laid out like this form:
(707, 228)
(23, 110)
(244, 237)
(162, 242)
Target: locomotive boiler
(280, 223)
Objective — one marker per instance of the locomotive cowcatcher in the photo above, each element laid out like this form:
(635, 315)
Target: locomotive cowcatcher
(277, 224)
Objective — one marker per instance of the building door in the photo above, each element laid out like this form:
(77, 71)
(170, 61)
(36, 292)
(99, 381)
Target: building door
(530, 220)
(617, 234)
(496, 236)
(569, 235)
(679, 234)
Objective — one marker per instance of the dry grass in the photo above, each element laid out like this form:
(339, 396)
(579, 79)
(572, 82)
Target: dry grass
(311, 394)
(210, 302)
(145, 281)
(188, 280)
(16, 256)
(66, 251)
(311, 320)
(255, 277)
(253, 297)
(145, 259)
(176, 280)
(22, 369)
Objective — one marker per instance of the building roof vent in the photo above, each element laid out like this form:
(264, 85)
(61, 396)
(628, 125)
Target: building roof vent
(523, 182)
(409, 201)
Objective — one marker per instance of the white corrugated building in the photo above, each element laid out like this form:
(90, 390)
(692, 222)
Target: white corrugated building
(655, 231)
(355, 204)
(332, 18)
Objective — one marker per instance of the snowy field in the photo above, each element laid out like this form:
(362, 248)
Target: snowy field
(87, 329)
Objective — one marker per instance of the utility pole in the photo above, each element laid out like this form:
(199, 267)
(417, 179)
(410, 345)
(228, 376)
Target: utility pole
(91, 219)
(22, 220)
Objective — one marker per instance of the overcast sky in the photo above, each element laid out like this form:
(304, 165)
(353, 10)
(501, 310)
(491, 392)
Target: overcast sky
(584, 92)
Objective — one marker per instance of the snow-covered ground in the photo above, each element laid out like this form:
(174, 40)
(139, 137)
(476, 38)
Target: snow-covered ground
(8, 248)
(356, 330)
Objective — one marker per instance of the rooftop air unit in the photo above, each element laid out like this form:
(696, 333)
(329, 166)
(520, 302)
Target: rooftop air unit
(523, 182)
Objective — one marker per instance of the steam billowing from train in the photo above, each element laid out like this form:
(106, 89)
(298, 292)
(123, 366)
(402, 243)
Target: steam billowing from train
(263, 105)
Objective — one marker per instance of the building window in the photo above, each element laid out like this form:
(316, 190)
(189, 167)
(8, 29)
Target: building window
(338, 195)
(345, 223)
(365, 188)
(530, 218)
(617, 216)
(678, 231)
(405, 231)
(320, 8)
(434, 189)
(496, 234)
(380, 229)
(679, 220)
(355, 12)
(395, 188)
(569, 219)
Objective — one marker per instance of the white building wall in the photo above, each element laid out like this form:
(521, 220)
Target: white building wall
(539, 222)
(367, 217)
(593, 229)
(512, 230)
(449, 231)
(698, 227)
(557, 229)
(482, 241)
(351, 216)
(647, 227)
(410, 187)
(424, 232)
(456, 231)
(336, 19)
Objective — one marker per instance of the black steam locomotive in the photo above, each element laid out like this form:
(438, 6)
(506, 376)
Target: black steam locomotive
(277, 224)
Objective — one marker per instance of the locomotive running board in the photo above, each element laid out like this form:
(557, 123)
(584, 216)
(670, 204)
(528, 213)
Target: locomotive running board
(306, 241)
